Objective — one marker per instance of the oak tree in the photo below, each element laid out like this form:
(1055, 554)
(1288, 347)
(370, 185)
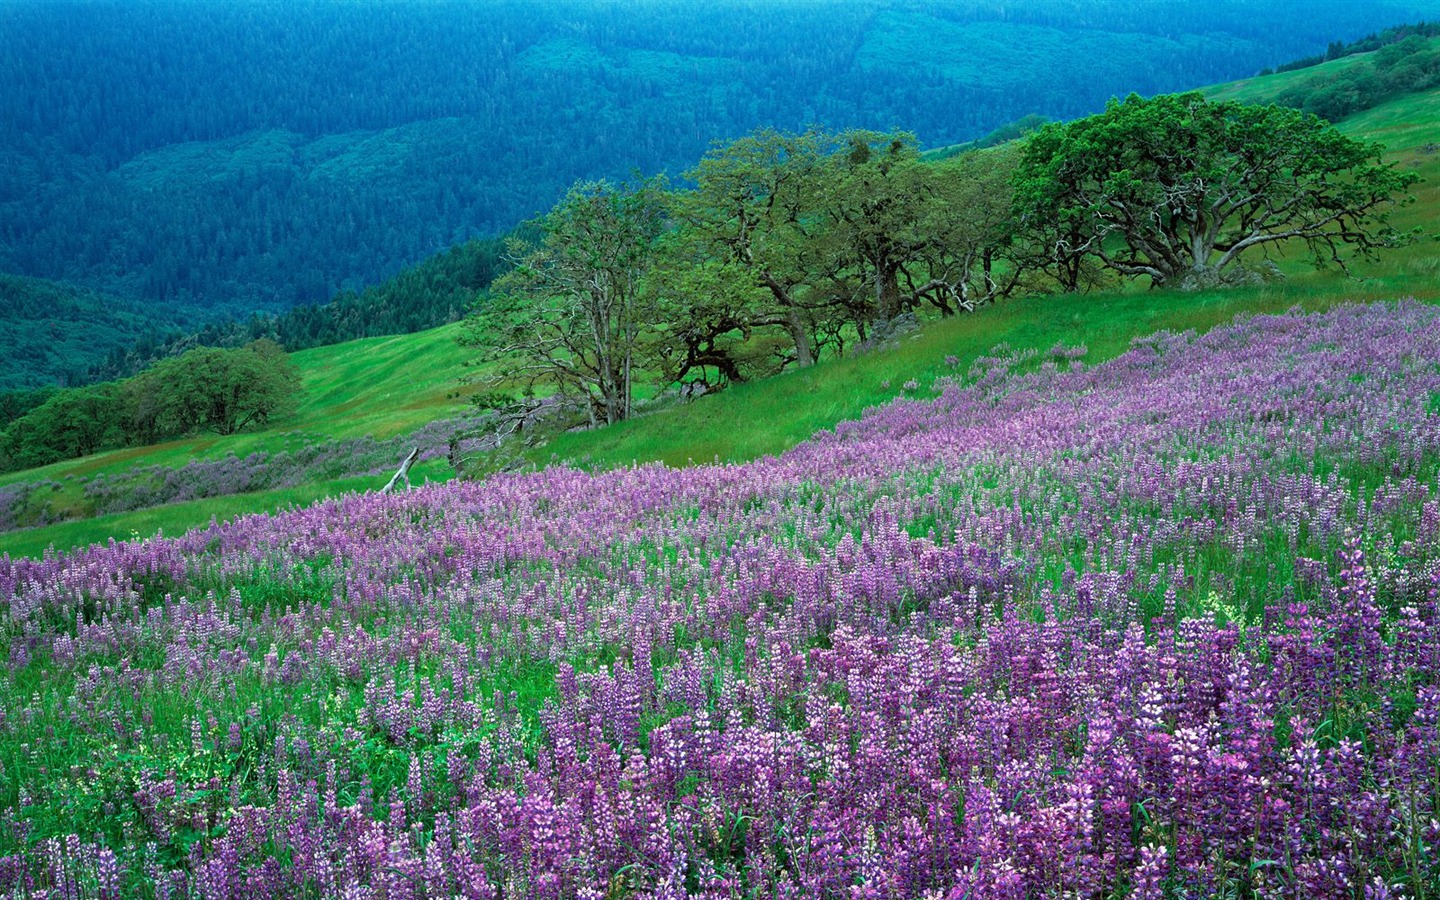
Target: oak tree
(1179, 188)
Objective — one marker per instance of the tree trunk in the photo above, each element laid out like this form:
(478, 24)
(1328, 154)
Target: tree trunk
(804, 355)
(887, 291)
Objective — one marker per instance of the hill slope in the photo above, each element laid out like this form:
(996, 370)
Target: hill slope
(386, 387)
(261, 155)
(1171, 619)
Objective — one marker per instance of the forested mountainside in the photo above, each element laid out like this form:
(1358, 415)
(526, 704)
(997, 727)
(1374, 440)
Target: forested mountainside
(56, 334)
(260, 155)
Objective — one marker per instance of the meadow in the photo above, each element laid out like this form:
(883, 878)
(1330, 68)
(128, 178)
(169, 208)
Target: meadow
(1165, 626)
(1133, 594)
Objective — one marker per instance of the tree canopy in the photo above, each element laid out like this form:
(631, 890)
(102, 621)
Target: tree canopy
(1178, 188)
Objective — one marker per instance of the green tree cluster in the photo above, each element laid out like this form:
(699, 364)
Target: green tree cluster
(789, 246)
(208, 388)
(1178, 189)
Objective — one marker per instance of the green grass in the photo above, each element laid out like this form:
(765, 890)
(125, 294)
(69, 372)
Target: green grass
(388, 386)
(377, 386)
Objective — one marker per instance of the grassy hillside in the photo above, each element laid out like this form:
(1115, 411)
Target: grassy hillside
(377, 387)
(1343, 88)
(388, 386)
(1265, 88)
(1105, 322)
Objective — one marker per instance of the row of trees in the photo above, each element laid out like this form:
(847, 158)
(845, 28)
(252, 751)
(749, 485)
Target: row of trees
(209, 388)
(790, 246)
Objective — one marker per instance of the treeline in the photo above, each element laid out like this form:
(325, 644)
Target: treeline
(215, 389)
(1406, 66)
(434, 292)
(792, 246)
(1367, 44)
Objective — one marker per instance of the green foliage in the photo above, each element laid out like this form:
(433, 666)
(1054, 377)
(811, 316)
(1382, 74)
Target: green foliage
(567, 320)
(72, 423)
(914, 234)
(14, 404)
(811, 238)
(220, 390)
(263, 156)
(212, 388)
(1177, 188)
(1406, 66)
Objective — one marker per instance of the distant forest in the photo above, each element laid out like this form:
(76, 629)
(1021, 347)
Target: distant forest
(213, 158)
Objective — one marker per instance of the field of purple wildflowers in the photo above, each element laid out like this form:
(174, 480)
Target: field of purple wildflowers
(1168, 626)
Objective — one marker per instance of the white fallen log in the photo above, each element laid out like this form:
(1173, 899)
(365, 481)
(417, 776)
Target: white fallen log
(402, 473)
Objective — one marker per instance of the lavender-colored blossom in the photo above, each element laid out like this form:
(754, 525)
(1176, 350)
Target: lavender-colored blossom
(1162, 627)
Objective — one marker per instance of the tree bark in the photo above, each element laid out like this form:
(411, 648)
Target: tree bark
(804, 353)
(887, 291)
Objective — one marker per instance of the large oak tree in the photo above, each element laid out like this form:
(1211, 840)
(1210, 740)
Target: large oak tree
(1179, 188)
(569, 319)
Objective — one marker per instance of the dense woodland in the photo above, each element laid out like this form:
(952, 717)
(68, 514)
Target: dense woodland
(208, 157)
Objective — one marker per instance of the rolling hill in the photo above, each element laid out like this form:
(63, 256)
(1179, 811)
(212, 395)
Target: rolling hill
(255, 156)
(383, 387)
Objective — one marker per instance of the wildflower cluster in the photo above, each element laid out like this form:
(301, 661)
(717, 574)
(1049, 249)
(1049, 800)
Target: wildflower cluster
(1164, 627)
